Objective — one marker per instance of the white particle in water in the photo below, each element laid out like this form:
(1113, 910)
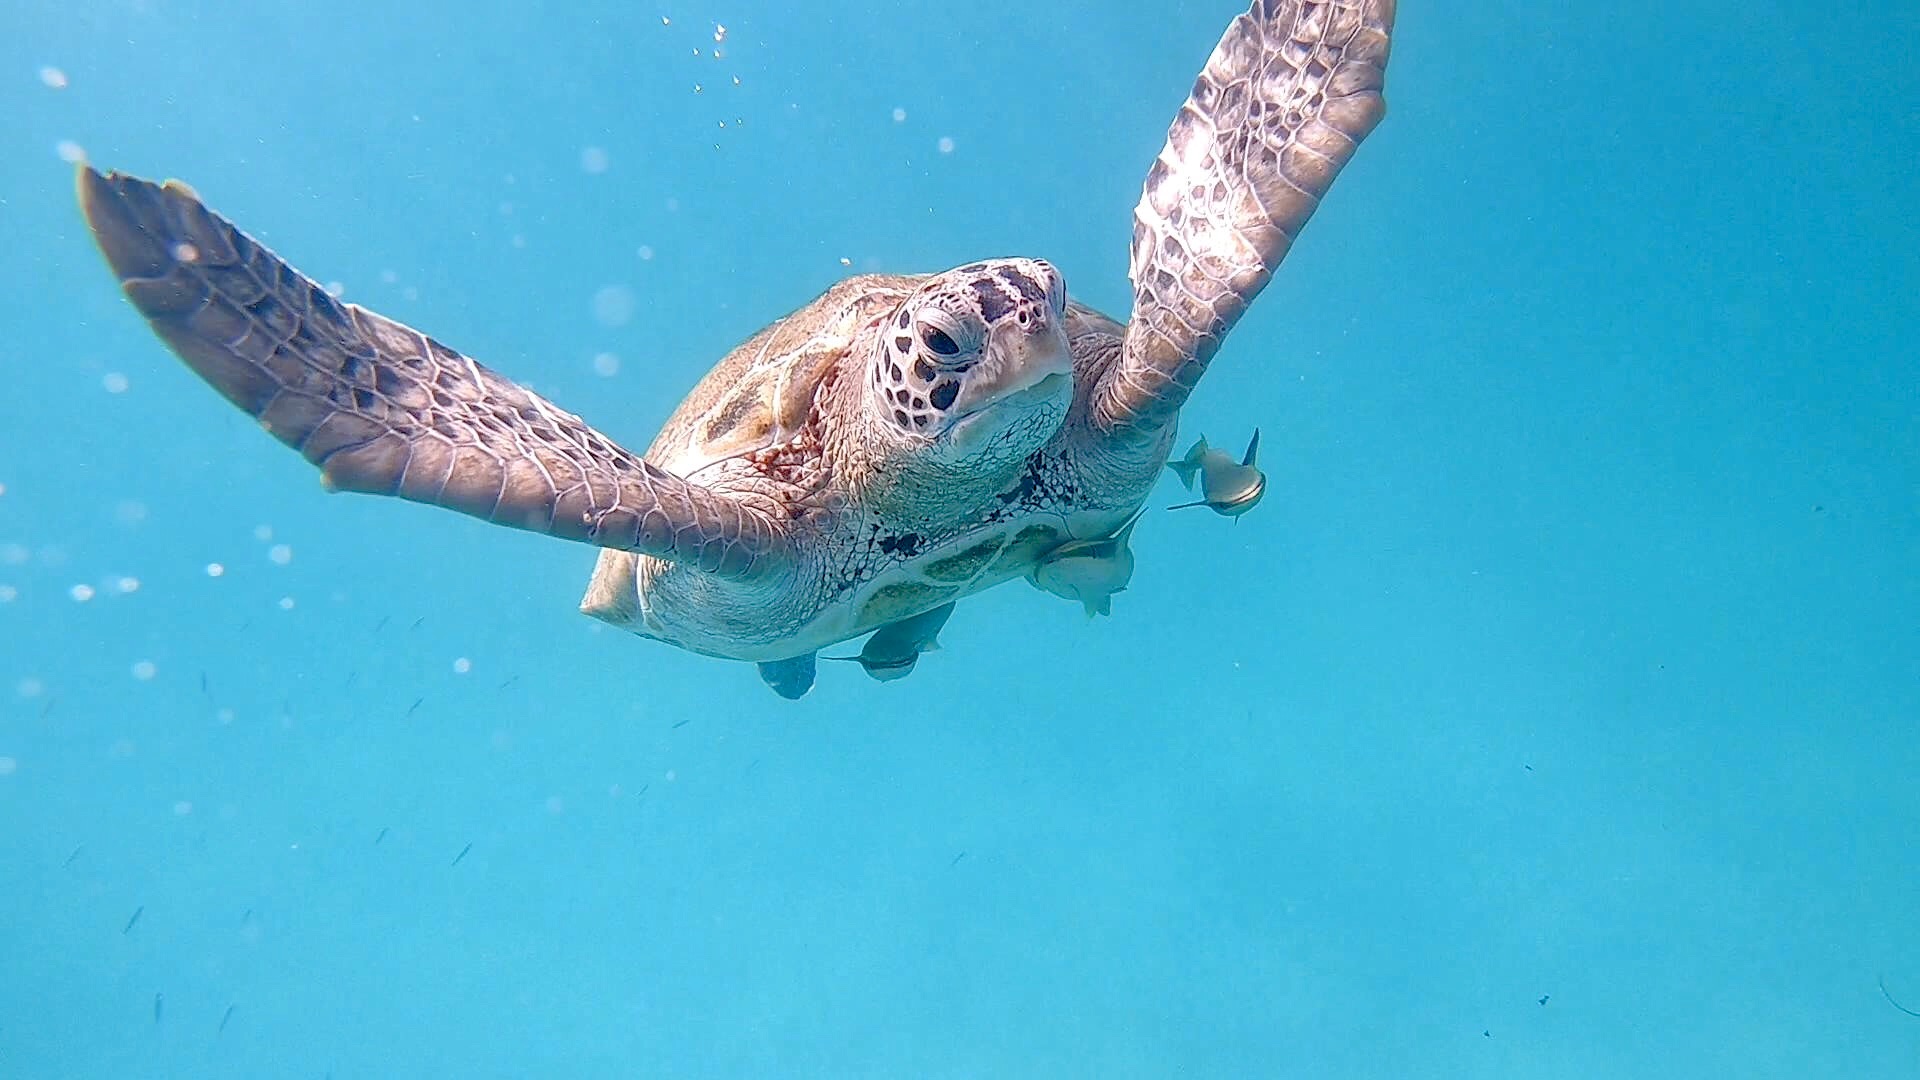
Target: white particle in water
(719, 33)
(185, 252)
(54, 79)
(182, 808)
(646, 253)
(462, 666)
(81, 593)
(593, 160)
(281, 554)
(336, 289)
(946, 144)
(127, 585)
(286, 603)
(263, 533)
(70, 152)
(606, 364)
(145, 670)
(214, 569)
(899, 115)
(115, 382)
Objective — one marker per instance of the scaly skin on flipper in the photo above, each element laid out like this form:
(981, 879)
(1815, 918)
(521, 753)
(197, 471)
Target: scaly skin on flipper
(1286, 98)
(384, 409)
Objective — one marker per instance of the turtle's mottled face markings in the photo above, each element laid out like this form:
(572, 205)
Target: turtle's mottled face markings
(976, 360)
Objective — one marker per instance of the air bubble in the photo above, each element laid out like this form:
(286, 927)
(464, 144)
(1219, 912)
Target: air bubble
(613, 305)
(214, 569)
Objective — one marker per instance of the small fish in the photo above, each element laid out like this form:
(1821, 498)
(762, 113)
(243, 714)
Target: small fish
(48, 707)
(1227, 487)
(1544, 997)
(159, 1002)
(414, 706)
(417, 622)
(382, 836)
(382, 624)
(72, 855)
(956, 860)
(224, 1017)
(1089, 571)
(682, 723)
(462, 855)
(894, 648)
(203, 685)
(134, 920)
(509, 682)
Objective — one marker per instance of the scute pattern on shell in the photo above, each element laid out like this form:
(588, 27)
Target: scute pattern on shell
(763, 393)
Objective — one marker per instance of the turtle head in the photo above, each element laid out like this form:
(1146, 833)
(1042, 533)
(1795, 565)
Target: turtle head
(972, 370)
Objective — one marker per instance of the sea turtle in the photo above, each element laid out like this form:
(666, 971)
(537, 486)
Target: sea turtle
(899, 443)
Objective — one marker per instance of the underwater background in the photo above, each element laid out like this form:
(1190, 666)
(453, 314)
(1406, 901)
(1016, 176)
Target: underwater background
(1554, 716)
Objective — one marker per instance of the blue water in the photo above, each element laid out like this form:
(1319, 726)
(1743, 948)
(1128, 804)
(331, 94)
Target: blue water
(1573, 657)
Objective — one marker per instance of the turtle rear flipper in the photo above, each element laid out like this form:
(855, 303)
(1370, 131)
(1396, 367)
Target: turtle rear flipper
(384, 409)
(790, 678)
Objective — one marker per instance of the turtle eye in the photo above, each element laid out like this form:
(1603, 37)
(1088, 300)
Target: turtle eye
(939, 341)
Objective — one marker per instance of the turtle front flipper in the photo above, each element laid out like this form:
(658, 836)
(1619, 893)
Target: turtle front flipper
(384, 409)
(1285, 99)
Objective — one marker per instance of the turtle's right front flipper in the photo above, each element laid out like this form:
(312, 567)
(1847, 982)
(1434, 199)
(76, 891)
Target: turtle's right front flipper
(384, 409)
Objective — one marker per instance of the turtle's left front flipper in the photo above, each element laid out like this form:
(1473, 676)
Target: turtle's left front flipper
(384, 409)
(1286, 98)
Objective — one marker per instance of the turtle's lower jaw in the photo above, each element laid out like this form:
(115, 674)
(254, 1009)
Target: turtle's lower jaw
(1014, 413)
